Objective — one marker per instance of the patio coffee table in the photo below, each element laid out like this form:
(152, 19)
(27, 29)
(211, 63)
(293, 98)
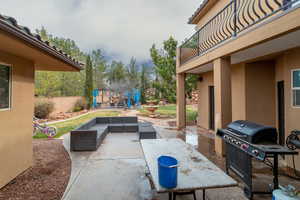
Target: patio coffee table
(195, 171)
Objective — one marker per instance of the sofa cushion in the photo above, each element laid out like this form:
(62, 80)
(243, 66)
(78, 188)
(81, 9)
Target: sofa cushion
(131, 127)
(116, 128)
(116, 120)
(146, 131)
(99, 127)
(130, 120)
(102, 120)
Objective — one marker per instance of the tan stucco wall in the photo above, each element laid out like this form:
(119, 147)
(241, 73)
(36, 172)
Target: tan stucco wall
(285, 63)
(16, 123)
(238, 88)
(253, 92)
(254, 88)
(219, 5)
(260, 93)
(203, 103)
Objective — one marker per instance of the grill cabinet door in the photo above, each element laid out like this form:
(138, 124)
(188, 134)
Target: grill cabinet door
(240, 163)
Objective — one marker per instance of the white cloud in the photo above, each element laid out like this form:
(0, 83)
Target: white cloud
(121, 27)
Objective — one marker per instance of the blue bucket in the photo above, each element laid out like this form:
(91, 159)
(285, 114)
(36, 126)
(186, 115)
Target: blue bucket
(167, 171)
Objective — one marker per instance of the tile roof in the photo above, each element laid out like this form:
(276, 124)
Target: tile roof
(10, 24)
(204, 2)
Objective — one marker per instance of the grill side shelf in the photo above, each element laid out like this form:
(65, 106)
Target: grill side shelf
(276, 149)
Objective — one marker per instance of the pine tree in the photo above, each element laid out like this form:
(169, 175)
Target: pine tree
(89, 82)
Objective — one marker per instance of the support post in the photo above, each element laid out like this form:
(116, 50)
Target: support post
(222, 82)
(180, 101)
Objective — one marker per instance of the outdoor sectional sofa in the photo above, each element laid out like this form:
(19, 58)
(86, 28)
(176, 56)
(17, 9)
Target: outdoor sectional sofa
(90, 135)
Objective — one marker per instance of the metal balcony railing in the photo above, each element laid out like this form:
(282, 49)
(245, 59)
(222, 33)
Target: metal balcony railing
(234, 18)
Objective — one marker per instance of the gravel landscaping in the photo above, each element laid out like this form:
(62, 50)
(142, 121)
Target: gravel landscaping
(47, 179)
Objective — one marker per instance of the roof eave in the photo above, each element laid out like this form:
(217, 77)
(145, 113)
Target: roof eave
(40, 45)
(192, 19)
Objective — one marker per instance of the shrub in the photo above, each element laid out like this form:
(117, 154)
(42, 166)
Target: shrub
(79, 105)
(192, 116)
(43, 108)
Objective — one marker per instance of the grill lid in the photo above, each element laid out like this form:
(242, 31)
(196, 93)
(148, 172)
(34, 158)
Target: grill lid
(256, 133)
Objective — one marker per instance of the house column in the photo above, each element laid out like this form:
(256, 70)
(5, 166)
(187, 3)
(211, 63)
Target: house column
(222, 82)
(180, 101)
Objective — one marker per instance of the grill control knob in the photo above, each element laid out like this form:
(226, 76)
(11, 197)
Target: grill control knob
(244, 146)
(255, 152)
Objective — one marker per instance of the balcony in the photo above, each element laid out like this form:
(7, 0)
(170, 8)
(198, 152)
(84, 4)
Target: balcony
(232, 20)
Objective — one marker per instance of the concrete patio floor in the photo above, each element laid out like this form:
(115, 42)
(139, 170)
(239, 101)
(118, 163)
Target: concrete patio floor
(117, 171)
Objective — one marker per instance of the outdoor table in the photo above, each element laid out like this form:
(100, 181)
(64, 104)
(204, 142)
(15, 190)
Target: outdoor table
(195, 171)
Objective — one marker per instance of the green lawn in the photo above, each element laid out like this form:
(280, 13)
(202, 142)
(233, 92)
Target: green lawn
(67, 126)
(170, 111)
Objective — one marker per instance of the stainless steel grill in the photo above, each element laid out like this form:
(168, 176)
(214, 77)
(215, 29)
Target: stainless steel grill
(246, 140)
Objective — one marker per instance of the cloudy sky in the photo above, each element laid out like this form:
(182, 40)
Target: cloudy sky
(123, 28)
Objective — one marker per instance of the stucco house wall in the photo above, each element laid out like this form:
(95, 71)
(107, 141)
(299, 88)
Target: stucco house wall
(16, 123)
(263, 54)
(203, 103)
(217, 7)
(24, 52)
(253, 92)
(238, 88)
(288, 61)
(260, 92)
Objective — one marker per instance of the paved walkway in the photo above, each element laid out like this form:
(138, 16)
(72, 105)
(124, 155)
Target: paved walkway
(116, 171)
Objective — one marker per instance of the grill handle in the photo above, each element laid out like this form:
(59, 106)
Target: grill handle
(237, 135)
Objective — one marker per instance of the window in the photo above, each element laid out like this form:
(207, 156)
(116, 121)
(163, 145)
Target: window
(5, 85)
(296, 87)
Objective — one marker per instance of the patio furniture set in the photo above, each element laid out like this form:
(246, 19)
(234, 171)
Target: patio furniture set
(90, 135)
(195, 171)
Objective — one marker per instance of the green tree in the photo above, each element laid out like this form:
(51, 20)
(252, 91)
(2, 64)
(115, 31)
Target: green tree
(47, 84)
(61, 83)
(165, 67)
(190, 84)
(116, 72)
(132, 74)
(89, 82)
(99, 67)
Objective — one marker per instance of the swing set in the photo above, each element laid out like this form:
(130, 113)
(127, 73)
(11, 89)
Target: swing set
(104, 98)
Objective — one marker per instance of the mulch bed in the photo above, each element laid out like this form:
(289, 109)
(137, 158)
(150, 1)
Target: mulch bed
(47, 179)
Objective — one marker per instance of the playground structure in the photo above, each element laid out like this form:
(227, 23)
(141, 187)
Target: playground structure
(106, 98)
